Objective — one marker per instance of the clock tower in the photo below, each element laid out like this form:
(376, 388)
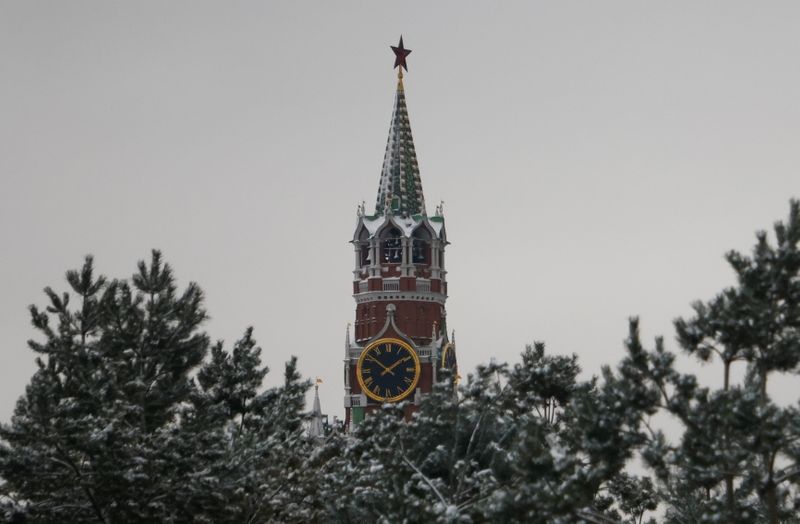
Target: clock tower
(400, 341)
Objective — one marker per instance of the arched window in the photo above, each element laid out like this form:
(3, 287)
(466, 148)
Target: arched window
(363, 245)
(420, 250)
(364, 255)
(393, 247)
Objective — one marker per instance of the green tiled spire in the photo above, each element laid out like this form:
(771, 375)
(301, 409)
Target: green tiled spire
(401, 186)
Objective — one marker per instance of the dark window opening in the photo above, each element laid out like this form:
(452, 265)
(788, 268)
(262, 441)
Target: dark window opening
(393, 247)
(421, 247)
(419, 252)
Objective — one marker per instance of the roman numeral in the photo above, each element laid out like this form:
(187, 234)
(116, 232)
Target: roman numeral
(388, 348)
(368, 381)
(366, 371)
(411, 369)
(407, 380)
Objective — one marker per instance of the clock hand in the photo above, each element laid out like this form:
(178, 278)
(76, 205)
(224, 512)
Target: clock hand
(381, 365)
(390, 368)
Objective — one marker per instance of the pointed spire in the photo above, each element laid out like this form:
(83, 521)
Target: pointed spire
(400, 190)
(315, 429)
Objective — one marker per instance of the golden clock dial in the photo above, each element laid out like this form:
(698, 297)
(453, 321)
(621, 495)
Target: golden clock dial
(388, 370)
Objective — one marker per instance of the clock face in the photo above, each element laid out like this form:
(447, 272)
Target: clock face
(388, 370)
(449, 360)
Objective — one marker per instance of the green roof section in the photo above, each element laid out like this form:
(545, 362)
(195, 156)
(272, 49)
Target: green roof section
(400, 189)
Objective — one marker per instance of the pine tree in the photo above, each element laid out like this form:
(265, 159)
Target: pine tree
(737, 459)
(95, 417)
(113, 428)
(636, 496)
(530, 444)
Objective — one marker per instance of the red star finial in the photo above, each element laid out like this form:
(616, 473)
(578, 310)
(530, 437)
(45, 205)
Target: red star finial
(400, 54)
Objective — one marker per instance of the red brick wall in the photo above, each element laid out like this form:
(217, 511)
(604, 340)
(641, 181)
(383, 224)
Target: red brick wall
(415, 318)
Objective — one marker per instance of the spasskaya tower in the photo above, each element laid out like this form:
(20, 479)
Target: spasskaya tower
(400, 342)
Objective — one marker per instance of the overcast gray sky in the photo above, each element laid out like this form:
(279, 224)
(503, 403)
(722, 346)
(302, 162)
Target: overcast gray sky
(596, 159)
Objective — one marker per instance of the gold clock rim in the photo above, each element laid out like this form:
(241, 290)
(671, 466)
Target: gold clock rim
(448, 347)
(417, 369)
(445, 349)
